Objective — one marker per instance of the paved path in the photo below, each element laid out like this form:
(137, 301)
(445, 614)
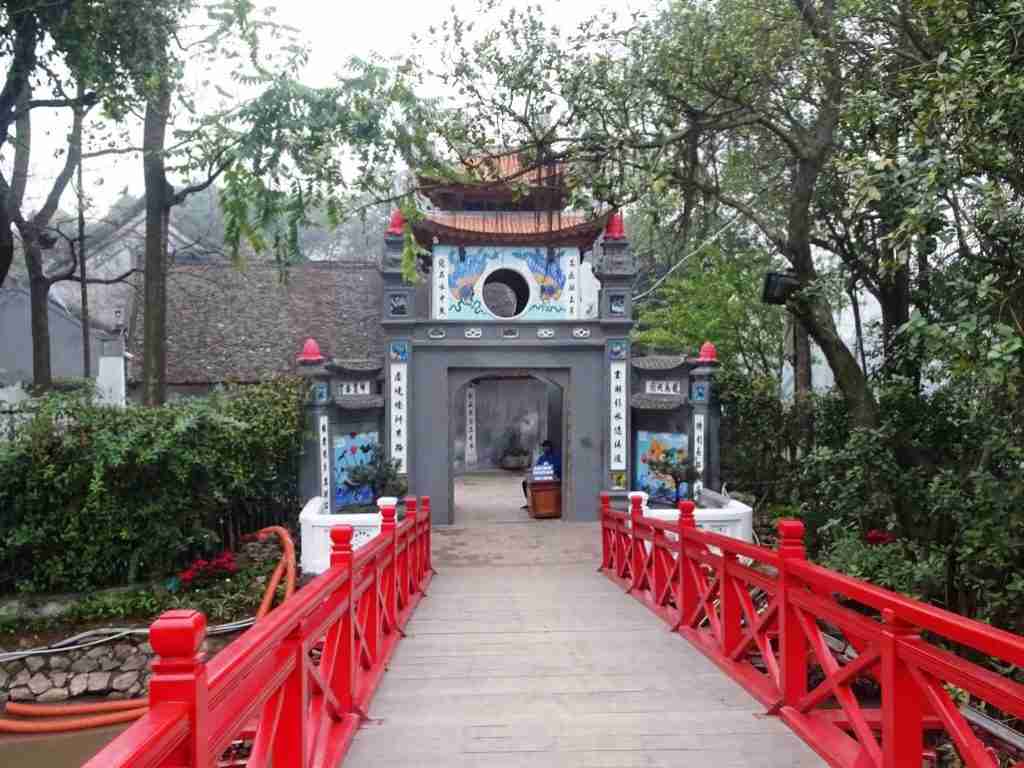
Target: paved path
(523, 657)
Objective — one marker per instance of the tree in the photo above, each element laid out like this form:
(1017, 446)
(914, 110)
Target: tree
(735, 103)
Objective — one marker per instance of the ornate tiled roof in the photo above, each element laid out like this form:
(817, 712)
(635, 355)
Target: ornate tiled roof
(511, 227)
(646, 402)
(246, 325)
(658, 362)
(370, 365)
(360, 402)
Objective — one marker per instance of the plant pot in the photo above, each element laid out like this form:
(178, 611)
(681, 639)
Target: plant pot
(512, 463)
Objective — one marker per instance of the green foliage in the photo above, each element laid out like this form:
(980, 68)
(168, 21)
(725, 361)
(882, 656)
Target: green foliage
(942, 474)
(92, 496)
(381, 474)
(717, 297)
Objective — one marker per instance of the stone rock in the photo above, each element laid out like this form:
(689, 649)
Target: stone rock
(98, 682)
(85, 664)
(35, 663)
(4, 677)
(39, 683)
(60, 662)
(79, 684)
(135, 690)
(109, 664)
(124, 681)
(59, 679)
(132, 663)
(146, 648)
(117, 695)
(123, 650)
(21, 679)
(22, 694)
(54, 694)
(96, 653)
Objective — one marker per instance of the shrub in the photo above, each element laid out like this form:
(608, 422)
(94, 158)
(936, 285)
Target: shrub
(92, 496)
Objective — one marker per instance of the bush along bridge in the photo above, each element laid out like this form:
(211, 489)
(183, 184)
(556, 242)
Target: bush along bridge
(866, 677)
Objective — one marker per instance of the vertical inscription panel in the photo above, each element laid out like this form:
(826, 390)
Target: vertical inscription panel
(399, 391)
(618, 438)
(471, 457)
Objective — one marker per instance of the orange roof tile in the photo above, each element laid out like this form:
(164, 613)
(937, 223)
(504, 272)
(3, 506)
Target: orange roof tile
(511, 223)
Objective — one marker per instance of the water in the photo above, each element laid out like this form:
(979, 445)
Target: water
(54, 750)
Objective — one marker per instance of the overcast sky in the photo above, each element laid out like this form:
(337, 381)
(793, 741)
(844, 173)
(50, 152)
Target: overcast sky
(334, 32)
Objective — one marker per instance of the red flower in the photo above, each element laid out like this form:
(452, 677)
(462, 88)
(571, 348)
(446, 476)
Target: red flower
(353, 450)
(877, 536)
(352, 435)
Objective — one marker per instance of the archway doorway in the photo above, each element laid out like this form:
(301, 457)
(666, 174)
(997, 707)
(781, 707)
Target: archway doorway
(499, 419)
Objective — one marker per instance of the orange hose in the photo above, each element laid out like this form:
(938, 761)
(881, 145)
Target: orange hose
(288, 547)
(97, 714)
(74, 724)
(57, 710)
(268, 593)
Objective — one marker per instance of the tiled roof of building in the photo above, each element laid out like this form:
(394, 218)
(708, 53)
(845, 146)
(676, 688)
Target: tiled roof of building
(645, 402)
(511, 227)
(658, 362)
(360, 402)
(247, 324)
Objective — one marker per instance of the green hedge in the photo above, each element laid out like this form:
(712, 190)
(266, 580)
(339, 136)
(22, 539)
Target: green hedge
(92, 496)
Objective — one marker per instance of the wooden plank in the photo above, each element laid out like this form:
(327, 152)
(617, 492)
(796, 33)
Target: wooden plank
(522, 656)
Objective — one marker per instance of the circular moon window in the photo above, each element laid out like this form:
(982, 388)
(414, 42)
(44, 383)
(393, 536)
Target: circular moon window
(506, 293)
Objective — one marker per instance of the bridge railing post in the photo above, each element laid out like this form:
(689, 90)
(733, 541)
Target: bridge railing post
(687, 596)
(410, 569)
(793, 644)
(389, 573)
(342, 680)
(428, 554)
(636, 550)
(179, 675)
(606, 545)
(902, 703)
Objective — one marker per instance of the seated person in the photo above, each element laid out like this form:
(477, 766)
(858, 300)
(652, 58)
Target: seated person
(548, 457)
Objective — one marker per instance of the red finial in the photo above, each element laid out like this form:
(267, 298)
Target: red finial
(397, 225)
(708, 353)
(310, 354)
(615, 230)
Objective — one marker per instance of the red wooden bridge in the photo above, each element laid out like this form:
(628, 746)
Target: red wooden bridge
(523, 656)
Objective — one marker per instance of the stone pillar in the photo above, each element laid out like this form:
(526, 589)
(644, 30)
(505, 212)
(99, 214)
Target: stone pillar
(398, 316)
(315, 468)
(707, 414)
(616, 270)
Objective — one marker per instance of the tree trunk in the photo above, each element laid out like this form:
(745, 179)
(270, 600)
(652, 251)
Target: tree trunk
(813, 310)
(6, 243)
(39, 292)
(803, 384)
(86, 337)
(158, 201)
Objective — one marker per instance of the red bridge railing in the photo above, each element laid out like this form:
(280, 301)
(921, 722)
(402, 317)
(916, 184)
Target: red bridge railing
(864, 675)
(294, 687)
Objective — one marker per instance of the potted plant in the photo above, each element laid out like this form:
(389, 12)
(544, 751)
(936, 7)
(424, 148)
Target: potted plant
(515, 456)
(381, 475)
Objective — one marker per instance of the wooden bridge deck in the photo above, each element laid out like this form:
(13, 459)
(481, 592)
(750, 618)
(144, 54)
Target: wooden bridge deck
(522, 656)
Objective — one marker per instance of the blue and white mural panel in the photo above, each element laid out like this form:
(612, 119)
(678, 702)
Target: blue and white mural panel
(561, 287)
(351, 450)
